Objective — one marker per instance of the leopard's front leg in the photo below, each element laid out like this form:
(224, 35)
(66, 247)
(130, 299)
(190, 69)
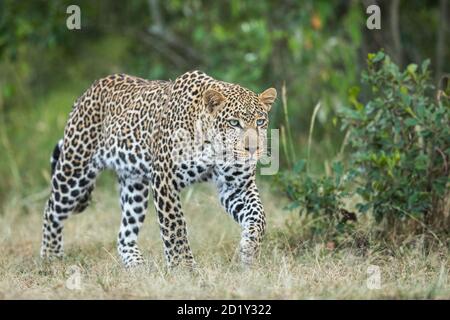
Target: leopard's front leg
(133, 202)
(241, 200)
(171, 220)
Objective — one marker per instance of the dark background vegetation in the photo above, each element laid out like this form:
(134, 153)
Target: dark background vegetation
(315, 49)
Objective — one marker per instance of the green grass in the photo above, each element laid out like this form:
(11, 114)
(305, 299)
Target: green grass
(305, 271)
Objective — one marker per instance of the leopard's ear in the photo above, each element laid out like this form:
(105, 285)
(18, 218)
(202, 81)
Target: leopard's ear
(268, 97)
(213, 100)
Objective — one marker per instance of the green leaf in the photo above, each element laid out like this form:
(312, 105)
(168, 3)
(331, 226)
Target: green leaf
(412, 68)
(425, 65)
(420, 162)
(299, 166)
(353, 93)
(420, 111)
(379, 56)
(410, 122)
(338, 168)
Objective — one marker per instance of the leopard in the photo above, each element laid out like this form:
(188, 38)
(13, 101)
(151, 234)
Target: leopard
(159, 137)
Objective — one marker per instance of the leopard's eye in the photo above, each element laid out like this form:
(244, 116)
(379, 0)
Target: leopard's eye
(260, 122)
(234, 123)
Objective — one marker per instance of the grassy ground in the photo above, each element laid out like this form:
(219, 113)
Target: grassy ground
(317, 272)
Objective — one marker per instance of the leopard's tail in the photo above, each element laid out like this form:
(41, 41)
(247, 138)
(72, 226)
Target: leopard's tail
(55, 155)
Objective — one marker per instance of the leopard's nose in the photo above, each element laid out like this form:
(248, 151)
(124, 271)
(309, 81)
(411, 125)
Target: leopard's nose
(251, 141)
(251, 149)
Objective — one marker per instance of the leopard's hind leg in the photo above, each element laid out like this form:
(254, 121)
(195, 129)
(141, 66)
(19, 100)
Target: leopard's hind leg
(72, 183)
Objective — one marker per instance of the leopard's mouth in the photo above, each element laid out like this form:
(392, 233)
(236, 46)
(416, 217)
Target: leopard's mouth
(236, 152)
(245, 156)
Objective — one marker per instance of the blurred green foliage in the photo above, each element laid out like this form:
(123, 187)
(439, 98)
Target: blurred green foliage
(315, 47)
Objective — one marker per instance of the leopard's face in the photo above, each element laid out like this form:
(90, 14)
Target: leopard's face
(241, 119)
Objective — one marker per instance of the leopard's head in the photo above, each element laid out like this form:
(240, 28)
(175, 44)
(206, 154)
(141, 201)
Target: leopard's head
(240, 120)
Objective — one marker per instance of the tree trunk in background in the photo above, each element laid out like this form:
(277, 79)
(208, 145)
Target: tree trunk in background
(440, 46)
(395, 31)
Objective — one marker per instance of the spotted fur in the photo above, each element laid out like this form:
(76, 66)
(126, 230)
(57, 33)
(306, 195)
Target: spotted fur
(160, 137)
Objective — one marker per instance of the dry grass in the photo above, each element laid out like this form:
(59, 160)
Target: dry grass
(90, 246)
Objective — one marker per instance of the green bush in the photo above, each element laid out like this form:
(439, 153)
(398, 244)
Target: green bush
(400, 142)
(398, 157)
(320, 197)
